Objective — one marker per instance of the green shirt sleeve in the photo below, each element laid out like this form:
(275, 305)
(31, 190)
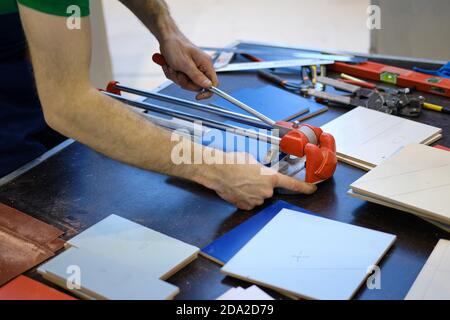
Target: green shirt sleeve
(57, 7)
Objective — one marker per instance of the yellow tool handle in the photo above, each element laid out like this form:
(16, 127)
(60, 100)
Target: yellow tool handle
(435, 107)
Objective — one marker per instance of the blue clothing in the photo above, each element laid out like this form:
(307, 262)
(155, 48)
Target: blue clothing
(24, 135)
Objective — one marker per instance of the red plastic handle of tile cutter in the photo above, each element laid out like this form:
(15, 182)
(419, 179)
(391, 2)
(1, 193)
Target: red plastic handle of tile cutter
(112, 88)
(159, 59)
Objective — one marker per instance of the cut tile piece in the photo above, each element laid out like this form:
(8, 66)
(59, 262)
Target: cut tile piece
(102, 278)
(365, 138)
(309, 256)
(130, 244)
(24, 288)
(433, 282)
(417, 177)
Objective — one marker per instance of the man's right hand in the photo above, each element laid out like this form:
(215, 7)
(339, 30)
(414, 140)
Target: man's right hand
(248, 185)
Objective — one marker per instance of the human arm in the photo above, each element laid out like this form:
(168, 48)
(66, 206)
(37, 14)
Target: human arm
(187, 65)
(72, 106)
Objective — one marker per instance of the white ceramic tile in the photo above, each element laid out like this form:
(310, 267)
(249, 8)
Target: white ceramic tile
(310, 256)
(130, 244)
(417, 177)
(433, 282)
(370, 137)
(101, 278)
(443, 226)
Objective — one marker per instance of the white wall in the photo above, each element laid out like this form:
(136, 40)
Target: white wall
(416, 28)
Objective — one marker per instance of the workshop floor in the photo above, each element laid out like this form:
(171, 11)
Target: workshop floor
(332, 24)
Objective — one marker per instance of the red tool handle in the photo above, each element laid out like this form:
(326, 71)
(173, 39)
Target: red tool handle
(159, 59)
(366, 85)
(272, 78)
(251, 57)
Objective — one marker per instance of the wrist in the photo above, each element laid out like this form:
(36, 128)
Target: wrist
(212, 171)
(166, 29)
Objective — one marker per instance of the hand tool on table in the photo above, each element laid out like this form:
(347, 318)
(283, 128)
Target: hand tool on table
(397, 104)
(398, 98)
(263, 64)
(435, 107)
(389, 90)
(286, 84)
(291, 54)
(397, 76)
(307, 143)
(222, 59)
(247, 66)
(360, 97)
(283, 83)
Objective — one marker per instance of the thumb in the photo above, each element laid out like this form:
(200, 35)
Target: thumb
(198, 77)
(292, 184)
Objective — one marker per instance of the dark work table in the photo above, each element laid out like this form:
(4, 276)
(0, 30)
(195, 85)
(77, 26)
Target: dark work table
(78, 187)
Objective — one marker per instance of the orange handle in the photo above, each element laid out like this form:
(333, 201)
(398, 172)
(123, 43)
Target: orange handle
(159, 59)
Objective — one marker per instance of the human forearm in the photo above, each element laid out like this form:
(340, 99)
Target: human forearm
(121, 133)
(187, 65)
(155, 15)
(61, 58)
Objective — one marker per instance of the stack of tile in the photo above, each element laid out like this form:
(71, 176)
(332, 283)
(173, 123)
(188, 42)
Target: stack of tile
(415, 180)
(365, 138)
(119, 260)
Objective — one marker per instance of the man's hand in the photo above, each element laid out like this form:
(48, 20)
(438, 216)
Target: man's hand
(188, 66)
(248, 185)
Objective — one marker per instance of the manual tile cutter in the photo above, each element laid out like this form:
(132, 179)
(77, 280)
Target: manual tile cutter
(302, 143)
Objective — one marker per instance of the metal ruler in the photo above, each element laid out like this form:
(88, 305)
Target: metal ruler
(293, 54)
(273, 64)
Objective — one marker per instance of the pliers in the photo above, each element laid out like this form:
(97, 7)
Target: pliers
(360, 97)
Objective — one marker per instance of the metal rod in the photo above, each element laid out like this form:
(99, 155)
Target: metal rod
(290, 54)
(188, 117)
(245, 119)
(243, 106)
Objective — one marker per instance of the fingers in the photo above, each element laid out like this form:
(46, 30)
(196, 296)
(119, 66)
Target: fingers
(292, 184)
(184, 82)
(196, 76)
(205, 65)
(181, 79)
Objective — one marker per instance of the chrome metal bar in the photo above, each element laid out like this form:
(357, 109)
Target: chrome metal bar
(189, 117)
(243, 106)
(198, 106)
